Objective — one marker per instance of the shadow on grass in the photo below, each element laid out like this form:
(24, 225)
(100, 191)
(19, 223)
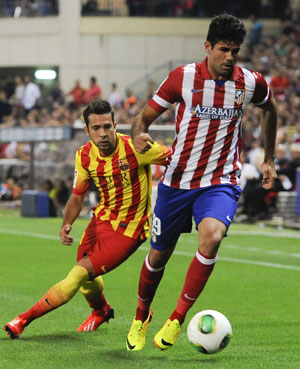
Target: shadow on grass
(161, 356)
(45, 338)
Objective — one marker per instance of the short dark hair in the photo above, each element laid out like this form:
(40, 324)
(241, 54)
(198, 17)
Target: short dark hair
(226, 27)
(98, 106)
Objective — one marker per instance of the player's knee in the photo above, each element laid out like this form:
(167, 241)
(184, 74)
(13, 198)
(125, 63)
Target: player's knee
(75, 279)
(210, 242)
(157, 258)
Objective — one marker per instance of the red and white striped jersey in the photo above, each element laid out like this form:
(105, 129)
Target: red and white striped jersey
(207, 144)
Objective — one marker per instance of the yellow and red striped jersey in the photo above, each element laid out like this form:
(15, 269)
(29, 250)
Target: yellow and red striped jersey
(123, 180)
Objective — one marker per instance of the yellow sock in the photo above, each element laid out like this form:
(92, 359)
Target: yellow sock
(93, 293)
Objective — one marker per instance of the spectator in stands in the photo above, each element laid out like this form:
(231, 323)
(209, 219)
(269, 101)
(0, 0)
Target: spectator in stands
(90, 7)
(281, 161)
(296, 136)
(19, 95)
(255, 32)
(48, 187)
(280, 83)
(290, 169)
(61, 196)
(30, 7)
(9, 7)
(10, 190)
(136, 8)
(130, 100)
(56, 93)
(77, 93)
(49, 7)
(115, 99)
(5, 107)
(9, 86)
(93, 92)
(31, 95)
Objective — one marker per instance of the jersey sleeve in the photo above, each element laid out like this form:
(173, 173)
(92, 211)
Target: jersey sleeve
(156, 155)
(262, 93)
(81, 181)
(168, 92)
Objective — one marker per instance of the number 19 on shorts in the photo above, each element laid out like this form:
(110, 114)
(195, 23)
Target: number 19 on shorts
(156, 227)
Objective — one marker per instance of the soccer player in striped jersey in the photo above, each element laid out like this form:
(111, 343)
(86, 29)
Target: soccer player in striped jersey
(202, 176)
(120, 222)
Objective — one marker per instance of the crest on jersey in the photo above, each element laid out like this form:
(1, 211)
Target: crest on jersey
(239, 96)
(123, 164)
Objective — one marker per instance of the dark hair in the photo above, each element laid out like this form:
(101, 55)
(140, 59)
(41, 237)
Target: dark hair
(97, 107)
(226, 27)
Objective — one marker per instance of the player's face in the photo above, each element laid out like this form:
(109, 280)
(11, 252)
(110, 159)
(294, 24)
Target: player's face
(221, 58)
(102, 131)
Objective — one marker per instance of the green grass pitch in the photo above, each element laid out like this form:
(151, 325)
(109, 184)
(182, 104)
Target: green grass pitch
(256, 284)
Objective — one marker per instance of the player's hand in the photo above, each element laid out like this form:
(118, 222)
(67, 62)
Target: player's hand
(142, 142)
(65, 238)
(269, 174)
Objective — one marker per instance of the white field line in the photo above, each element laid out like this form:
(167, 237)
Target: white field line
(257, 249)
(263, 233)
(251, 249)
(176, 252)
(234, 260)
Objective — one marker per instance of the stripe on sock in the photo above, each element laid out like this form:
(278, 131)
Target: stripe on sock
(205, 260)
(149, 267)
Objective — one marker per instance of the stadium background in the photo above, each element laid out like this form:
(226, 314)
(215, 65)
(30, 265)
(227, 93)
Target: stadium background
(134, 44)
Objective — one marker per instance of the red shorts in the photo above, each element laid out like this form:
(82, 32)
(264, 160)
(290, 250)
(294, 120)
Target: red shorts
(105, 247)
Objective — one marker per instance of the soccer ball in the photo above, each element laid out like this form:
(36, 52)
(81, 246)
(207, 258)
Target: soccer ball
(209, 331)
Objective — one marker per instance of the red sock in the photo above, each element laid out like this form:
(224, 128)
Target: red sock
(50, 301)
(148, 283)
(100, 305)
(195, 280)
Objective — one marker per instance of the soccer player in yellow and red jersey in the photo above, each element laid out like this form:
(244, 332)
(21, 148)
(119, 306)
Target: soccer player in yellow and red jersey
(120, 222)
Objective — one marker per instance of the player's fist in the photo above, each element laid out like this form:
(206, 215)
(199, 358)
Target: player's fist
(269, 174)
(65, 238)
(142, 142)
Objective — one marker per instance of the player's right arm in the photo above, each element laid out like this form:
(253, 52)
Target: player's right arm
(167, 94)
(71, 213)
(74, 205)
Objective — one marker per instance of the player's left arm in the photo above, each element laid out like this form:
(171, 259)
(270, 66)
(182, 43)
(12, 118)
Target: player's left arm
(269, 130)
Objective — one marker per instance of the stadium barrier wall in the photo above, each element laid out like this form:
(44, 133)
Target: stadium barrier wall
(35, 204)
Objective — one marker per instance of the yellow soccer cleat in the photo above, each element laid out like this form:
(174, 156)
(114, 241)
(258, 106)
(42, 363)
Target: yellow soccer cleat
(136, 338)
(167, 336)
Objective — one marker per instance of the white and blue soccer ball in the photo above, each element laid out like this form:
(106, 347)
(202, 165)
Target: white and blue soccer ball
(209, 331)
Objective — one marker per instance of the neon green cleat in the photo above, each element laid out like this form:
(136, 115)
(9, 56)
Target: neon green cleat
(167, 336)
(136, 338)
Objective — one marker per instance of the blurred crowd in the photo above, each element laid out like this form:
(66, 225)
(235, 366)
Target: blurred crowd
(28, 8)
(23, 102)
(147, 8)
(278, 59)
